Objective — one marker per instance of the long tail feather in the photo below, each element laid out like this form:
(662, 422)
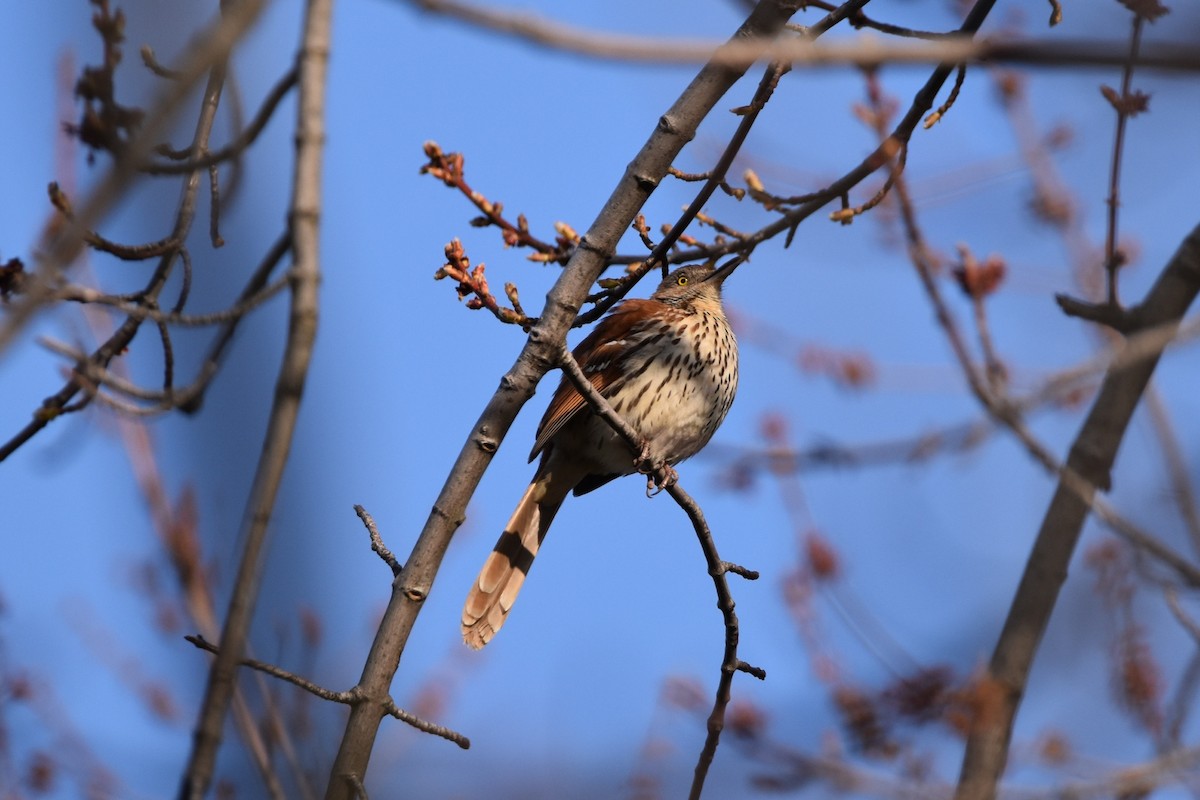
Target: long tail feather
(495, 590)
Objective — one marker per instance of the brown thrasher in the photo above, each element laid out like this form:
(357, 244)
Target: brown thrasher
(669, 366)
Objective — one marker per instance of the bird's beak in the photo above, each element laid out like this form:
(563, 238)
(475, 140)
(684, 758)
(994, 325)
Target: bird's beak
(719, 275)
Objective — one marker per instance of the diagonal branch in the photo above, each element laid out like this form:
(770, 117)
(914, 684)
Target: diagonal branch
(1092, 456)
(658, 258)
(882, 155)
(675, 129)
(243, 140)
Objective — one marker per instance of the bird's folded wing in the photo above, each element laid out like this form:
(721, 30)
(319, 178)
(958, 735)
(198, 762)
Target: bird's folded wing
(602, 356)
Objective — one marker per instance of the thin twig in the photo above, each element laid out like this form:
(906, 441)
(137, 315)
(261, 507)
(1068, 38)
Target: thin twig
(240, 143)
(922, 261)
(277, 672)
(1043, 172)
(1183, 703)
(937, 115)
(117, 304)
(894, 150)
(377, 540)
(89, 374)
(190, 400)
(1104, 511)
(349, 697)
(449, 168)
(716, 177)
(1128, 353)
(185, 284)
(214, 207)
(860, 20)
(177, 535)
(210, 51)
(730, 663)
(154, 65)
(882, 155)
(1055, 12)
(1086, 470)
(276, 727)
(391, 709)
(766, 88)
(949, 440)
(1112, 259)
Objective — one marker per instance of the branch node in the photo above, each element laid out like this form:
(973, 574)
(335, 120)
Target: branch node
(1108, 314)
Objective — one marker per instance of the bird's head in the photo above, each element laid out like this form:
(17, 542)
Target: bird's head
(697, 282)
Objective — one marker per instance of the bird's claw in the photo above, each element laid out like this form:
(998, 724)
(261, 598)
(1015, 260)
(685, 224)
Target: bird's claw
(652, 468)
(670, 478)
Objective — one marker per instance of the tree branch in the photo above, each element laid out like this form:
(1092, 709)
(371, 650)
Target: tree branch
(243, 140)
(674, 129)
(861, 51)
(209, 53)
(348, 698)
(730, 663)
(1092, 456)
(305, 277)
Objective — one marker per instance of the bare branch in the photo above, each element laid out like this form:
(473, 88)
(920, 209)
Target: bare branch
(716, 567)
(209, 53)
(89, 374)
(1124, 109)
(346, 698)
(657, 258)
(377, 540)
(675, 128)
(861, 52)
(277, 672)
(304, 217)
(1092, 455)
(238, 145)
(82, 294)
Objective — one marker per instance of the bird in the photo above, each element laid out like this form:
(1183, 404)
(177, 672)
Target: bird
(668, 365)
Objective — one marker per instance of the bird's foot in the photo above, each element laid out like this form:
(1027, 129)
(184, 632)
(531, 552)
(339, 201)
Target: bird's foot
(659, 474)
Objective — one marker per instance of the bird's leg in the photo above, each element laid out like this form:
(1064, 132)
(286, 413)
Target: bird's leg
(652, 467)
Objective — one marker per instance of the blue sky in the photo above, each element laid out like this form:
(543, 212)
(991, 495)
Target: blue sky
(619, 600)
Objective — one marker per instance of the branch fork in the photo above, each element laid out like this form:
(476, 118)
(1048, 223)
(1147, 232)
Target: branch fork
(350, 697)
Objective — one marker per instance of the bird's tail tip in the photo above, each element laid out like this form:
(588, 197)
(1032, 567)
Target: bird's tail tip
(490, 600)
(477, 630)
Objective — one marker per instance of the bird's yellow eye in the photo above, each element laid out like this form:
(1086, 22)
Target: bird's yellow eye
(682, 280)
